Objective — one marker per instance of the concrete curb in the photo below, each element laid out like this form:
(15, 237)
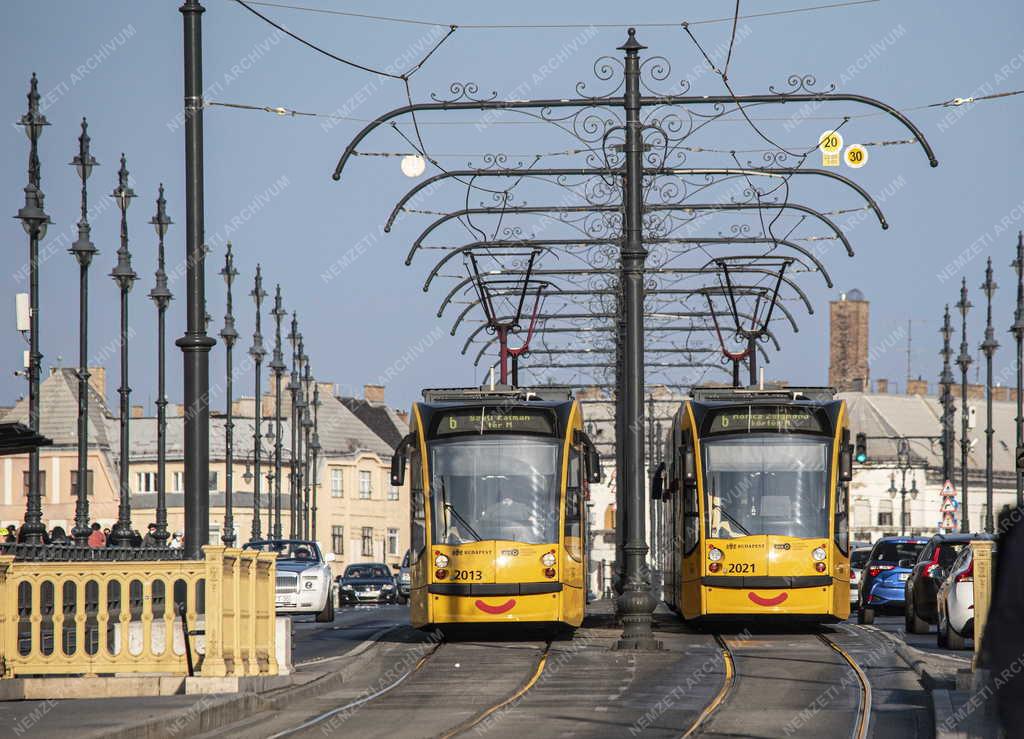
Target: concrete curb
(942, 711)
(919, 662)
(212, 712)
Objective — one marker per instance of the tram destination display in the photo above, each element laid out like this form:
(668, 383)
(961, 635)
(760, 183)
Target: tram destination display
(494, 421)
(779, 419)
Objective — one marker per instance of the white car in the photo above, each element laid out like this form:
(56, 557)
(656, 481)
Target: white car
(304, 581)
(858, 557)
(955, 602)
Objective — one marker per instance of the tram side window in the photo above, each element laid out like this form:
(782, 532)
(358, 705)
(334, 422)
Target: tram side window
(691, 520)
(418, 532)
(842, 535)
(571, 532)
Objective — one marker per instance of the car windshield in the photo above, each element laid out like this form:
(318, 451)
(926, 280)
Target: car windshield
(858, 558)
(891, 552)
(357, 572)
(288, 551)
(761, 484)
(494, 487)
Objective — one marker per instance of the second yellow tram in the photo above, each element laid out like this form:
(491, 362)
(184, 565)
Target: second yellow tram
(753, 505)
(499, 480)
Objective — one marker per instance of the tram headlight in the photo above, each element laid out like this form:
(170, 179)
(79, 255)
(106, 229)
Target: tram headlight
(548, 560)
(441, 560)
(819, 554)
(715, 554)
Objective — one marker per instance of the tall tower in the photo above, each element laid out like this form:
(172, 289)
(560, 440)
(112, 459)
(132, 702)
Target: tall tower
(848, 342)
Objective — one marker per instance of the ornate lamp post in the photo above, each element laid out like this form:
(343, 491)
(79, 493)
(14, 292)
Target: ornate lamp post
(161, 296)
(125, 277)
(964, 362)
(314, 448)
(293, 388)
(903, 464)
(278, 366)
(1018, 333)
(229, 334)
(307, 430)
(948, 408)
(83, 250)
(34, 220)
(989, 347)
(257, 352)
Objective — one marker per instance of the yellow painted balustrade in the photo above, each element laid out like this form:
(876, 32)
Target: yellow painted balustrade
(102, 618)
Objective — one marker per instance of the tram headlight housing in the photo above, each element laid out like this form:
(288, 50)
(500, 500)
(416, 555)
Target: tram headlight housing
(819, 554)
(715, 554)
(440, 560)
(548, 560)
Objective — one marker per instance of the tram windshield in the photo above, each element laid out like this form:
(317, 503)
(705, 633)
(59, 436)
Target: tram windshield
(774, 485)
(494, 487)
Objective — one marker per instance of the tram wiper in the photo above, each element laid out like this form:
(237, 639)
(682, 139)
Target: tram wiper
(727, 515)
(451, 509)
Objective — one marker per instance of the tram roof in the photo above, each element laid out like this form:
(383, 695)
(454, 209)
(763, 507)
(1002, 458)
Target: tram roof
(542, 394)
(706, 394)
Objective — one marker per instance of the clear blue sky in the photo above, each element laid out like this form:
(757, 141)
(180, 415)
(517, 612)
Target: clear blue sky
(119, 63)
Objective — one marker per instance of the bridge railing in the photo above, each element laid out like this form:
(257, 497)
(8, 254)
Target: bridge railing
(111, 617)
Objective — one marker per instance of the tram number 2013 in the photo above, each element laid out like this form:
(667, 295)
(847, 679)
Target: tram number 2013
(467, 575)
(740, 568)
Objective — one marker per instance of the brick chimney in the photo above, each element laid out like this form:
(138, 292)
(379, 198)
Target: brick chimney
(403, 416)
(373, 394)
(881, 386)
(137, 411)
(917, 387)
(98, 381)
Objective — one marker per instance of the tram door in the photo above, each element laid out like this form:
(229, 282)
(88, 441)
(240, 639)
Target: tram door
(688, 525)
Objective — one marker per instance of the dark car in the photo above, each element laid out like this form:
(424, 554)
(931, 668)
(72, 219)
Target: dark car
(881, 588)
(370, 582)
(404, 579)
(930, 569)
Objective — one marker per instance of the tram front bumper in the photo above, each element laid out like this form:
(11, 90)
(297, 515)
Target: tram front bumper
(813, 602)
(509, 603)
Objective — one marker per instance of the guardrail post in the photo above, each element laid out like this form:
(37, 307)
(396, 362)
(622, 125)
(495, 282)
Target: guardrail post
(266, 611)
(982, 591)
(213, 661)
(246, 604)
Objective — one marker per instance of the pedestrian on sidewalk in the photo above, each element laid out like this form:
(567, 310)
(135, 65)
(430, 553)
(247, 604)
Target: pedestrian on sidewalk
(177, 541)
(150, 540)
(97, 539)
(12, 534)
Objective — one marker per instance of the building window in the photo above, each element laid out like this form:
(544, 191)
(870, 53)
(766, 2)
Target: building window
(393, 541)
(392, 492)
(42, 482)
(337, 483)
(365, 486)
(338, 539)
(145, 482)
(215, 534)
(367, 541)
(74, 483)
(885, 513)
(213, 482)
(176, 482)
(906, 520)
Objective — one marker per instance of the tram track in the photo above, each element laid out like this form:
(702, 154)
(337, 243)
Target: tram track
(729, 680)
(863, 723)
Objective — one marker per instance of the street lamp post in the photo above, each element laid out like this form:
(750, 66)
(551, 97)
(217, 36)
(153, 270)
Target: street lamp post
(1018, 333)
(278, 366)
(34, 220)
(83, 250)
(161, 296)
(293, 389)
(903, 464)
(989, 347)
(314, 447)
(257, 352)
(125, 277)
(307, 429)
(948, 408)
(229, 335)
(964, 362)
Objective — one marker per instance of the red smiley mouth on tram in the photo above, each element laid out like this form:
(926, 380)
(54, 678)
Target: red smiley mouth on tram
(506, 606)
(767, 601)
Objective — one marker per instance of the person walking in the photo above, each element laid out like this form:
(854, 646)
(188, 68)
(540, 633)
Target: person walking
(97, 539)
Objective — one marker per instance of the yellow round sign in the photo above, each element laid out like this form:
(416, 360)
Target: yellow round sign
(856, 156)
(830, 142)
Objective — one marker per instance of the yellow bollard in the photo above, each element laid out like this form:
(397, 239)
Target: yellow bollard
(982, 554)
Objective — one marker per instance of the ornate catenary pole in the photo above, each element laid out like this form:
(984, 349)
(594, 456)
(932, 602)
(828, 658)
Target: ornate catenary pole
(1018, 333)
(293, 472)
(161, 296)
(948, 405)
(964, 362)
(125, 277)
(257, 352)
(314, 448)
(989, 347)
(307, 430)
(278, 366)
(84, 251)
(229, 335)
(636, 602)
(195, 344)
(34, 220)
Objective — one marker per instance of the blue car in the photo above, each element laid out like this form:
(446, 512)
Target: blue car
(882, 587)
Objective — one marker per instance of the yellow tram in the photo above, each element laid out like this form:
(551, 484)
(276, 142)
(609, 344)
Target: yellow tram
(752, 502)
(499, 480)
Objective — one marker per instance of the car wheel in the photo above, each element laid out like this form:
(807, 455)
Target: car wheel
(402, 600)
(866, 616)
(327, 614)
(942, 633)
(914, 624)
(953, 639)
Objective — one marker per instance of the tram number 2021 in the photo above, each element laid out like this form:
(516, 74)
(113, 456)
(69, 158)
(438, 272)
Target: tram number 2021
(740, 568)
(467, 575)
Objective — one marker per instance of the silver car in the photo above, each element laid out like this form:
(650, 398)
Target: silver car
(304, 581)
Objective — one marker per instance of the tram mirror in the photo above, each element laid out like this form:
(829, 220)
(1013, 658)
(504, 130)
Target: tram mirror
(593, 465)
(398, 467)
(657, 482)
